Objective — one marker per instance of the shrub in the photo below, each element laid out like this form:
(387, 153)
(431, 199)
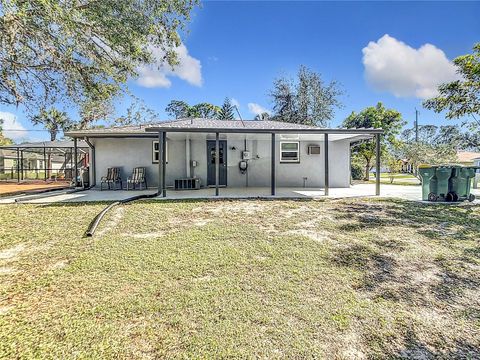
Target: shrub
(357, 171)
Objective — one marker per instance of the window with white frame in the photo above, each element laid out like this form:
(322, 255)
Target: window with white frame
(290, 151)
(155, 152)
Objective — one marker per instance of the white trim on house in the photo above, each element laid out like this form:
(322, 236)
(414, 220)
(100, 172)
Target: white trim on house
(155, 152)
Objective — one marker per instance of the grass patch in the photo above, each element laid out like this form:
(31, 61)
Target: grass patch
(398, 179)
(271, 279)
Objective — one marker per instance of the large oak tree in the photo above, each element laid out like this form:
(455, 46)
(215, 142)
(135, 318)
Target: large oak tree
(82, 51)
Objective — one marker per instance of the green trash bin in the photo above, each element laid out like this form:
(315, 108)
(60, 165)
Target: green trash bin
(470, 175)
(460, 185)
(442, 175)
(426, 173)
(456, 184)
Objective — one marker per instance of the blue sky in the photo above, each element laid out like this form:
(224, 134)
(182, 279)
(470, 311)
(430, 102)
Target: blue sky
(236, 49)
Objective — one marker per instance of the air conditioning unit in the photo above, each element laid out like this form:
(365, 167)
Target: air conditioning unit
(313, 149)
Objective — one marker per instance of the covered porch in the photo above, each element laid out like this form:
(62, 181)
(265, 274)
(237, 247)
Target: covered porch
(321, 168)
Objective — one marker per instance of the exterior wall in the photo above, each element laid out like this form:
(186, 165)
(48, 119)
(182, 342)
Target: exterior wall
(129, 153)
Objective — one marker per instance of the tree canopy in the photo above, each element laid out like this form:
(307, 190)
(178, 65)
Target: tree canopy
(305, 100)
(461, 98)
(3, 140)
(179, 109)
(451, 135)
(226, 111)
(82, 51)
(378, 116)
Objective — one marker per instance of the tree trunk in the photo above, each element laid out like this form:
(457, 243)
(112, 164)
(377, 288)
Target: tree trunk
(367, 171)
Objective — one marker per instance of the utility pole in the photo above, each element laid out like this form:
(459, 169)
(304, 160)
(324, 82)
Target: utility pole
(416, 125)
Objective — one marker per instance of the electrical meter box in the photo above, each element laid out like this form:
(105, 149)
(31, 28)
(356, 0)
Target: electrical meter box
(246, 155)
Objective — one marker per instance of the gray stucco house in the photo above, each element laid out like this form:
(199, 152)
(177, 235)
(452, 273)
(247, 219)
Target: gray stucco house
(252, 153)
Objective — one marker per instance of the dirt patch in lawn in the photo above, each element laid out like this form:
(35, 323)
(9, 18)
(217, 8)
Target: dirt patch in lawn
(12, 253)
(117, 215)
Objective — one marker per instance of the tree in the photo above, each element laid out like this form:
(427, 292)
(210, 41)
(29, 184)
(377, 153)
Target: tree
(77, 51)
(308, 100)
(451, 135)
(137, 113)
(226, 111)
(263, 116)
(461, 98)
(419, 153)
(94, 110)
(3, 140)
(394, 165)
(204, 111)
(378, 116)
(179, 109)
(54, 121)
(435, 145)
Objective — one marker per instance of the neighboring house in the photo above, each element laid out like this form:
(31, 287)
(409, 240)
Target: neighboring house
(406, 167)
(476, 162)
(245, 149)
(468, 157)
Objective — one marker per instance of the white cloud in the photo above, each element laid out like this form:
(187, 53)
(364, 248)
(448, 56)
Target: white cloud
(14, 130)
(157, 75)
(235, 102)
(393, 66)
(257, 109)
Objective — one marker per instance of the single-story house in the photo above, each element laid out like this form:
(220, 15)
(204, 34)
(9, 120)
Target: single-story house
(252, 153)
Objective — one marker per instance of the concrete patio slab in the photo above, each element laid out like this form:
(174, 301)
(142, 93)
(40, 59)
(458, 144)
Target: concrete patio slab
(413, 193)
(359, 190)
(81, 196)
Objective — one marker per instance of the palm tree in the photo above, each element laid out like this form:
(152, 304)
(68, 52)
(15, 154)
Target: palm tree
(54, 121)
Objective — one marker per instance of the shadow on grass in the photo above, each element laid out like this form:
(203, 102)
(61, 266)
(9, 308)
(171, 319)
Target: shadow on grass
(416, 349)
(440, 283)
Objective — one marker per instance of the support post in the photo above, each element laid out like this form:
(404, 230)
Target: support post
(18, 164)
(21, 165)
(75, 164)
(45, 163)
(164, 163)
(91, 164)
(378, 164)
(71, 162)
(272, 169)
(161, 163)
(217, 162)
(187, 158)
(327, 185)
(160, 167)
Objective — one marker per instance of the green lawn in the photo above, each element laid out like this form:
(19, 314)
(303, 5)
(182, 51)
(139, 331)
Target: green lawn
(398, 179)
(241, 279)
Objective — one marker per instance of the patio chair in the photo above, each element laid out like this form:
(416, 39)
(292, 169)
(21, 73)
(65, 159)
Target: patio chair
(138, 177)
(113, 177)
